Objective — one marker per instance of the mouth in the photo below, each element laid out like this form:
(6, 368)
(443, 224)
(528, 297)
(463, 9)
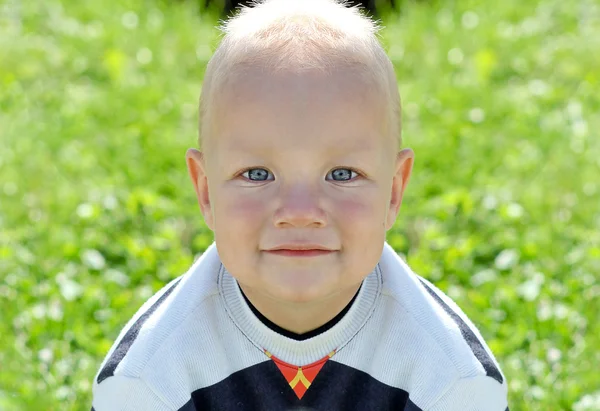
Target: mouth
(300, 253)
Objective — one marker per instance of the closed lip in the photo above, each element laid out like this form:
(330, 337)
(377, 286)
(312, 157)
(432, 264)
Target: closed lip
(300, 247)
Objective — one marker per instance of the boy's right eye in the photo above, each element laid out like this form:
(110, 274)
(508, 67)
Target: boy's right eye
(255, 174)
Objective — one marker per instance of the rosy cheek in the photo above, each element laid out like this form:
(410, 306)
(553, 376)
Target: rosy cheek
(242, 208)
(353, 209)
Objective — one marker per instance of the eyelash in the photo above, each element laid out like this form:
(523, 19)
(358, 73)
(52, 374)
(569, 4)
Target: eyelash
(359, 174)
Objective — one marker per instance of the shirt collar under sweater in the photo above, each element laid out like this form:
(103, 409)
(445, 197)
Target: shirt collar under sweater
(306, 335)
(303, 351)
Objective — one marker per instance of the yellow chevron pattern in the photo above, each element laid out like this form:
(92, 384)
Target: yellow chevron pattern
(299, 378)
(294, 374)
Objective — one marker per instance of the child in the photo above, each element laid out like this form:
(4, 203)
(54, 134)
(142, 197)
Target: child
(300, 303)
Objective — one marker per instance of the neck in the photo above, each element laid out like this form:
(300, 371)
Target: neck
(300, 317)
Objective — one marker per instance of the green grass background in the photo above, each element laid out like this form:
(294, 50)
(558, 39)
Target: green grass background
(98, 106)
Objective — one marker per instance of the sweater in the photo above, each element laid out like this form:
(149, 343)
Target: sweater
(400, 344)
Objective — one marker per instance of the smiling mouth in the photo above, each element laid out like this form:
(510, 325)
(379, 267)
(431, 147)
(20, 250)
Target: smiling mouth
(300, 253)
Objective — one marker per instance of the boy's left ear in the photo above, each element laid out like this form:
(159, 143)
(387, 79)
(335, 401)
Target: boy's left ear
(403, 169)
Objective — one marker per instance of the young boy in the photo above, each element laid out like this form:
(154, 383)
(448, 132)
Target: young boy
(300, 303)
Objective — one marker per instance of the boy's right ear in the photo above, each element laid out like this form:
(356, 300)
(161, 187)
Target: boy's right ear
(197, 171)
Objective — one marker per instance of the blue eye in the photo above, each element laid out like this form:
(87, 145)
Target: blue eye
(256, 173)
(345, 172)
(260, 174)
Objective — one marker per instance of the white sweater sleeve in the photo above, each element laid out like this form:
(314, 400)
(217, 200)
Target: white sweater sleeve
(119, 393)
(480, 393)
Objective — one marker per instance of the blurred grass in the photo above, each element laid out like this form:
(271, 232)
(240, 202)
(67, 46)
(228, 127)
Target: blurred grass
(98, 105)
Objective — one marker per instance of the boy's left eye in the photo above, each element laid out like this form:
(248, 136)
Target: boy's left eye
(344, 172)
(257, 174)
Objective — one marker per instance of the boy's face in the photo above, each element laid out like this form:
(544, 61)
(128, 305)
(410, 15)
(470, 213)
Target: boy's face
(300, 158)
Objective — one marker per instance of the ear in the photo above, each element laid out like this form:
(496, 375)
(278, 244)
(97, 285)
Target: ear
(197, 170)
(403, 169)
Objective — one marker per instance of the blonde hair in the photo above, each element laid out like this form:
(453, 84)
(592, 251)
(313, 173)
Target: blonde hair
(296, 36)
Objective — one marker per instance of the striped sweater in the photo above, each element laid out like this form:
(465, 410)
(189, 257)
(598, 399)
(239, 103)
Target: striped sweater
(198, 344)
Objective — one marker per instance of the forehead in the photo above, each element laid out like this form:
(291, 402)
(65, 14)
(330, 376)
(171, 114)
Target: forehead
(272, 112)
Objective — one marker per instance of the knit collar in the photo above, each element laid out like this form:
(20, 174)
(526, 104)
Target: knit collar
(308, 334)
(303, 351)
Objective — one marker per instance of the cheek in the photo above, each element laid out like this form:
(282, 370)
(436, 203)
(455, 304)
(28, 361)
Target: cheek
(239, 209)
(358, 213)
(351, 209)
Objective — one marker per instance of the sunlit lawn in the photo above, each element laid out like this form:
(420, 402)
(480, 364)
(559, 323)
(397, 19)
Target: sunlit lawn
(98, 105)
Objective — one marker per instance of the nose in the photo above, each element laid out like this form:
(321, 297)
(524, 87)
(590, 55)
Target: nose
(300, 208)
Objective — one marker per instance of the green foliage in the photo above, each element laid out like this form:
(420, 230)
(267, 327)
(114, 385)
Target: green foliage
(98, 105)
